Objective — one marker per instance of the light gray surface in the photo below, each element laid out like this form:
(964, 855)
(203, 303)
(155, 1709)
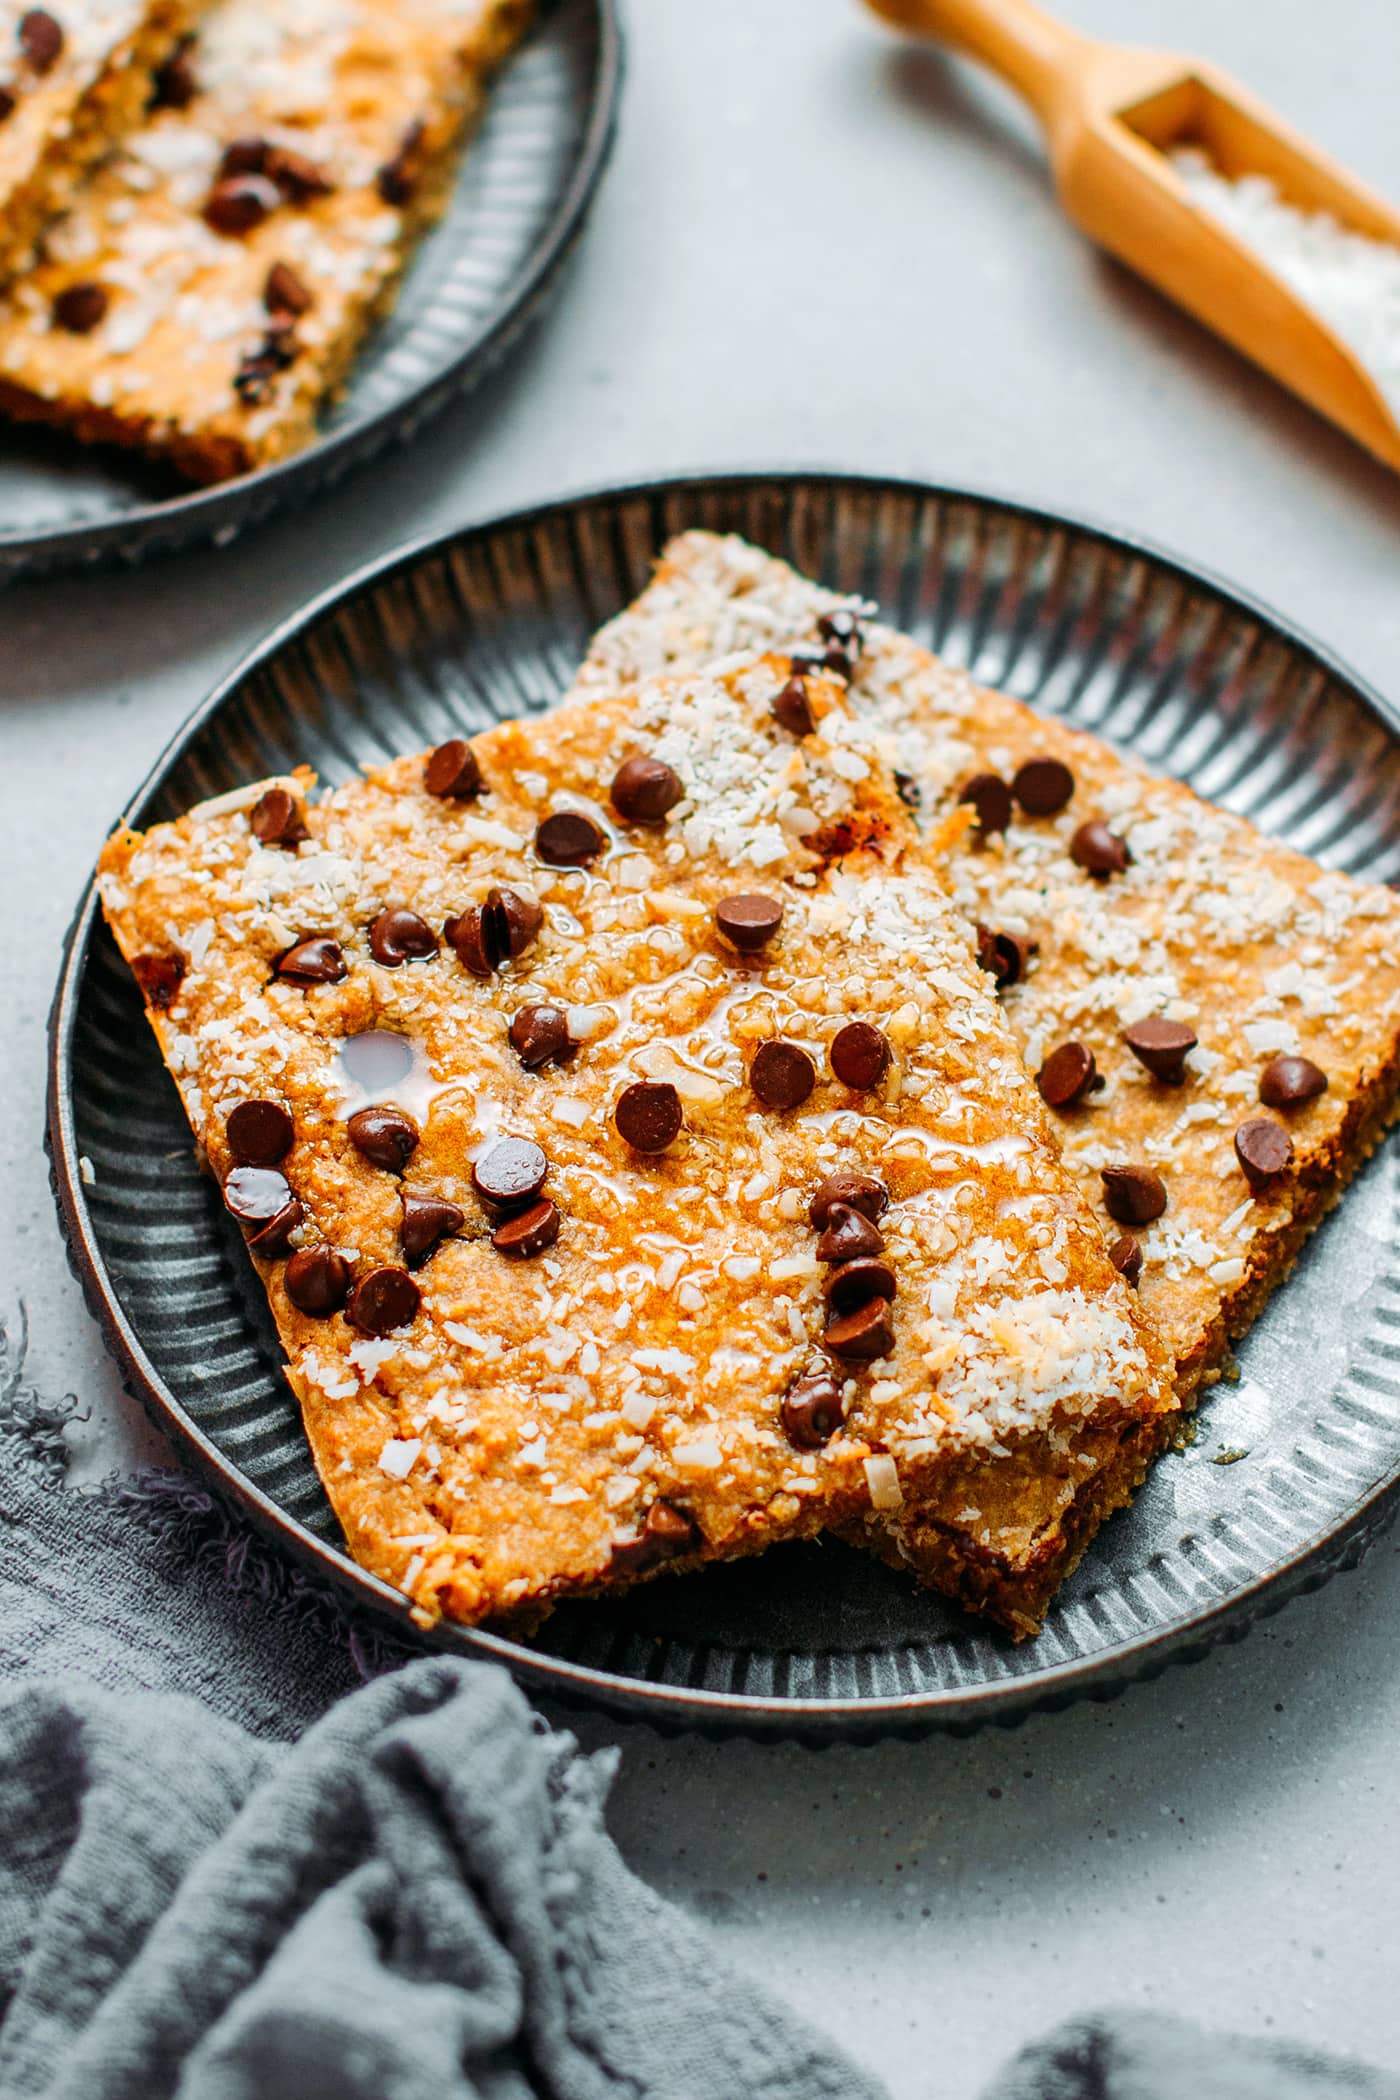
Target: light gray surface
(817, 249)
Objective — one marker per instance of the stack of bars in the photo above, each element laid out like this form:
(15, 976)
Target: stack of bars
(783, 1090)
(204, 208)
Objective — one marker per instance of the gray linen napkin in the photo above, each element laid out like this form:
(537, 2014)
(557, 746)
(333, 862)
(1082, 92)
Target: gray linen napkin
(1146, 2056)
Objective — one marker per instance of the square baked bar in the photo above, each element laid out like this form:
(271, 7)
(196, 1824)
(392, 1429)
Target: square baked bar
(74, 78)
(637, 1160)
(209, 288)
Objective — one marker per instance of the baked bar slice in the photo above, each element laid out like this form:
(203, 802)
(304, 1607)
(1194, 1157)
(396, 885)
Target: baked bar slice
(209, 288)
(637, 1160)
(73, 79)
(1215, 1018)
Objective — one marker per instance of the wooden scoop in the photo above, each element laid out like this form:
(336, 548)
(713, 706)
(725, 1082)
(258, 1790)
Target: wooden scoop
(1111, 113)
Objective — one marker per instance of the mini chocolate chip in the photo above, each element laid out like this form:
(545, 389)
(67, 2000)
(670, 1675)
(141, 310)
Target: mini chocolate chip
(383, 1135)
(812, 1410)
(79, 307)
(907, 789)
(175, 82)
(862, 1335)
(841, 631)
(854, 1282)
(1161, 1045)
(1290, 1082)
(1003, 955)
(159, 976)
(1133, 1195)
(260, 365)
(749, 920)
(259, 1133)
(41, 38)
(1264, 1150)
(427, 1222)
(278, 819)
(397, 178)
(453, 772)
(644, 789)
(860, 1056)
(860, 1192)
(1067, 1075)
(569, 839)
(509, 1172)
(317, 960)
(848, 1236)
(255, 1195)
(317, 1281)
(991, 798)
(245, 156)
(782, 1074)
(1043, 786)
(385, 1299)
(667, 1533)
(539, 1035)
(239, 203)
(1126, 1256)
(274, 1241)
(299, 179)
(399, 936)
(648, 1115)
(792, 710)
(286, 293)
(1098, 850)
(529, 1232)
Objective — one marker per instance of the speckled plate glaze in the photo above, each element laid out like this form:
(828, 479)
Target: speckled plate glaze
(814, 1640)
(528, 178)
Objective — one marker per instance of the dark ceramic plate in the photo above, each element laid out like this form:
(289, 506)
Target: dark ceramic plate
(527, 181)
(813, 1640)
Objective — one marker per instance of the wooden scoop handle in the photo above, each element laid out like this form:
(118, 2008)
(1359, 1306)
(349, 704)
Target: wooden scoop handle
(1041, 58)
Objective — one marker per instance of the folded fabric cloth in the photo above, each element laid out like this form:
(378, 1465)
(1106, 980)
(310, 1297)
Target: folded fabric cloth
(1145, 2056)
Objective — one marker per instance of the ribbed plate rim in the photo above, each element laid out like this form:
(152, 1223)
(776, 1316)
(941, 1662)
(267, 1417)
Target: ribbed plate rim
(1004, 1702)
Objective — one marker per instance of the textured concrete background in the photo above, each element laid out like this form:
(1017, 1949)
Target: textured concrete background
(817, 248)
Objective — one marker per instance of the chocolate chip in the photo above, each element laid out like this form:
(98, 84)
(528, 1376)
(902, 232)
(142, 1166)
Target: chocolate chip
(241, 202)
(1126, 1256)
(848, 1236)
(644, 789)
(991, 798)
(792, 710)
(667, 1533)
(1133, 1195)
(399, 936)
(1003, 955)
(382, 1301)
(467, 936)
(285, 293)
(569, 839)
(496, 932)
(80, 307)
(854, 1282)
(259, 1133)
(274, 1241)
(398, 177)
(7, 103)
(862, 1335)
(255, 1195)
(782, 1074)
(317, 1281)
(860, 1192)
(841, 631)
(860, 1056)
(1290, 1082)
(245, 156)
(159, 976)
(648, 1115)
(427, 1222)
(317, 960)
(383, 1135)
(812, 1410)
(749, 920)
(1043, 786)
(539, 1035)
(278, 819)
(452, 771)
(1264, 1150)
(1098, 850)
(529, 1232)
(299, 179)
(41, 38)
(1067, 1075)
(509, 1172)
(907, 789)
(175, 83)
(1161, 1045)
(259, 366)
